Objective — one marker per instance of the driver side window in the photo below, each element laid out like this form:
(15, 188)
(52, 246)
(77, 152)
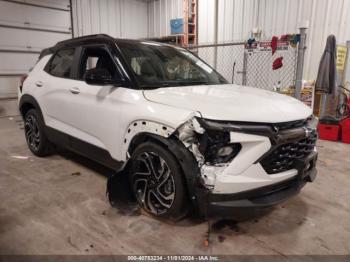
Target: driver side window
(99, 58)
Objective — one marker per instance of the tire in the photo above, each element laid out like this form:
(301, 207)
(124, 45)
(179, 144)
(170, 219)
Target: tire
(157, 182)
(35, 135)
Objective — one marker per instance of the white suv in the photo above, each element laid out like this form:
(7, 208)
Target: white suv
(183, 135)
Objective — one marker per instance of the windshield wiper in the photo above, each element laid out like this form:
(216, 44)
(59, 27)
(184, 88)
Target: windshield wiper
(174, 83)
(191, 83)
(154, 85)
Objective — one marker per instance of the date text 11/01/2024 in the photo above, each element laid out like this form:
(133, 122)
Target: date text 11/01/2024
(173, 258)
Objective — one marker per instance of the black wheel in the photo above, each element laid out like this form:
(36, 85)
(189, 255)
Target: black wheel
(35, 135)
(157, 182)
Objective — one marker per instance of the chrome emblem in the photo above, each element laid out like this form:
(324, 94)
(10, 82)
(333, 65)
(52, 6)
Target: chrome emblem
(307, 132)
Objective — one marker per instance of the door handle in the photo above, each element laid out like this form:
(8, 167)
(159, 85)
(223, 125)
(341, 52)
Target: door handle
(39, 83)
(74, 90)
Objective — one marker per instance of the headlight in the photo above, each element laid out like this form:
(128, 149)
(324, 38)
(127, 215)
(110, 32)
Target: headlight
(219, 153)
(216, 147)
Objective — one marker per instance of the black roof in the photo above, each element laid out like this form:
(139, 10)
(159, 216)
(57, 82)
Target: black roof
(84, 39)
(88, 39)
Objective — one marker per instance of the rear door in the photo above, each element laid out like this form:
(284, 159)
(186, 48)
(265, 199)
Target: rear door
(58, 86)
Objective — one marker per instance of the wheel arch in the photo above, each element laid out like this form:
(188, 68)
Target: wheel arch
(142, 129)
(28, 102)
(186, 160)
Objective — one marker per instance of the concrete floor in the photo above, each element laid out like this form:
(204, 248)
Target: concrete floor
(44, 209)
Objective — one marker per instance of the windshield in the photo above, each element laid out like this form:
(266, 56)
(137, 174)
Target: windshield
(156, 65)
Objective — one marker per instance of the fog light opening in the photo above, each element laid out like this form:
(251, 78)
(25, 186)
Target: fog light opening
(225, 151)
(220, 154)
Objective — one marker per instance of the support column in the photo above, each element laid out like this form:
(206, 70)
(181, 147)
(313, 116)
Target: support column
(300, 63)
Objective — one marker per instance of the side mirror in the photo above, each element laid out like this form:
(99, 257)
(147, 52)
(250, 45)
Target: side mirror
(98, 76)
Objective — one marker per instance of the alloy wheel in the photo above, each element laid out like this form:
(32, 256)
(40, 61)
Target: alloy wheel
(153, 183)
(32, 132)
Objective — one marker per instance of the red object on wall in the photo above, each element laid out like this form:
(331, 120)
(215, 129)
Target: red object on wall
(329, 132)
(345, 131)
(274, 44)
(277, 64)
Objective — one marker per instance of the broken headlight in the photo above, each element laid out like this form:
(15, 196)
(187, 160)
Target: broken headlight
(218, 153)
(216, 146)
(209, 145)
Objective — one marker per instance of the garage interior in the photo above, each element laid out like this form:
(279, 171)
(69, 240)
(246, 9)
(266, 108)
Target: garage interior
(58, 205)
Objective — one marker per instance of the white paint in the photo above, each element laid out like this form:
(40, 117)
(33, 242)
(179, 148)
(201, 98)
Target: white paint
(232, 102)
(253, 147)
(103, 115)
(99, 115)
(145, 126)
(242, 174)
(252, 178)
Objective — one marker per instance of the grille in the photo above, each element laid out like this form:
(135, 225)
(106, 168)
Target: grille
(284, 157)
(292, 124)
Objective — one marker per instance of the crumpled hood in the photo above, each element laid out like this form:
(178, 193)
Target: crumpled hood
(232, 103)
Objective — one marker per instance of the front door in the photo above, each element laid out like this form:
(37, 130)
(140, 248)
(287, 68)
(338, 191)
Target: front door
(97, 108)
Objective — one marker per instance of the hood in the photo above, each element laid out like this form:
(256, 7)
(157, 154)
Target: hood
(232, 103)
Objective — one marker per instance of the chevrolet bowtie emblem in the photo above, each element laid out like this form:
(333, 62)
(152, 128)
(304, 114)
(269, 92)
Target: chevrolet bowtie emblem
(307, 132)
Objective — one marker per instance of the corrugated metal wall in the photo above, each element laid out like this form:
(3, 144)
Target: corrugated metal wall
(160, 12)
(118, 18)
(237, 18)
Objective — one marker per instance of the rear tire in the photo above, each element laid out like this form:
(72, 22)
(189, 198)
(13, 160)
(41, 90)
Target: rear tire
(34, 128)
(157, 182)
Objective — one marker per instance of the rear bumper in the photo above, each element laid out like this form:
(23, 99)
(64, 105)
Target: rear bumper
(221, 205)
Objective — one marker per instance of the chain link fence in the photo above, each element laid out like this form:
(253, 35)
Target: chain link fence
(252, 65)
(259, 66)
(227, 59)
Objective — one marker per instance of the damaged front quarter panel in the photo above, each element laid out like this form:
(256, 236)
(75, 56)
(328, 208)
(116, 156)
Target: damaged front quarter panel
(187, 134)
(196, 138)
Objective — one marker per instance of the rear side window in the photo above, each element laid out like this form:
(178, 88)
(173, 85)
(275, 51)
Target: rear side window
(61, 64)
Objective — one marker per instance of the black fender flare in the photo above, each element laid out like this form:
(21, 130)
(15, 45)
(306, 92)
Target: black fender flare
(187, 162)
(28, 99)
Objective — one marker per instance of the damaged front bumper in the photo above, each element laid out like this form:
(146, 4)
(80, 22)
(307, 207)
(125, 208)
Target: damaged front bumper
(244, 181)
(212, 204)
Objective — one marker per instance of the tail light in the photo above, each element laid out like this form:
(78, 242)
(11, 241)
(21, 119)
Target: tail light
(23, 78)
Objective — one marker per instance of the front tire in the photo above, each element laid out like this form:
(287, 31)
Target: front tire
(36, 138)
(157, 182)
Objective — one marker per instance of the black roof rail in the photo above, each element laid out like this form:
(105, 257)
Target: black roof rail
(84, 38)
(97, 38)
(75, 41)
